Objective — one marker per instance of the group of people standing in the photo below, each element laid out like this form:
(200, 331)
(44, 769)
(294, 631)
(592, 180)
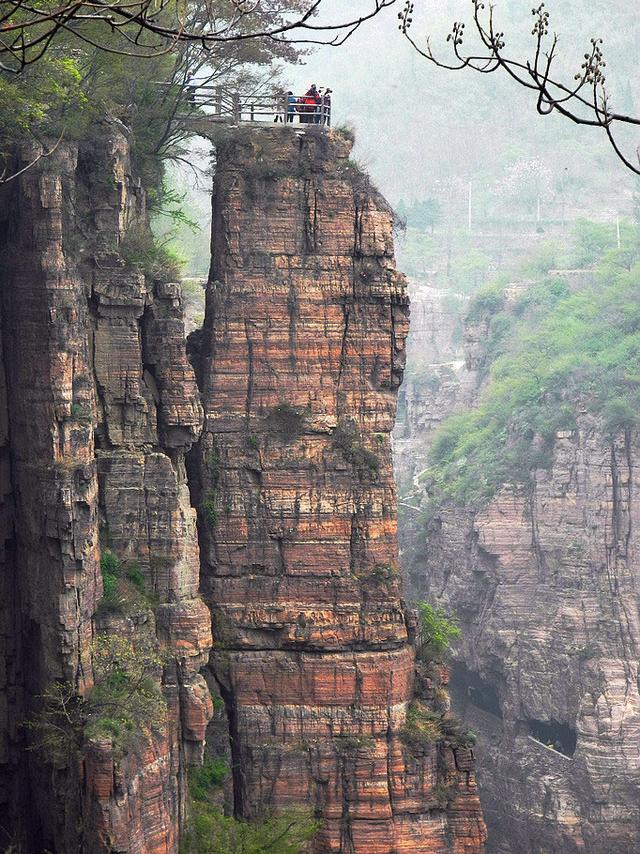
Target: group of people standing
(314, 107)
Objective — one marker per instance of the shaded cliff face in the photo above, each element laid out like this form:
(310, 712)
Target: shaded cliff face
(545, 586)
(547, 591)
(299, 364)
(99, 406)
(436, 381)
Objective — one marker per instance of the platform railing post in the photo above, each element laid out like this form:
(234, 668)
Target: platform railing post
(237, 114)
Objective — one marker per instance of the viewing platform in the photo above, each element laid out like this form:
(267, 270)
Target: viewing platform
(218, 105)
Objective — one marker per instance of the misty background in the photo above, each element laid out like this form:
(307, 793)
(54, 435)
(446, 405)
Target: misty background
(478, 175)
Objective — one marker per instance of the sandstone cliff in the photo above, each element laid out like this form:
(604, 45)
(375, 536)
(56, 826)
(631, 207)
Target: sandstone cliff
(299, 363)
(99, 405)
(545, 584)
(294, 551)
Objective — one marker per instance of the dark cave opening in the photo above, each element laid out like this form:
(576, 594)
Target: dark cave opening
(561, 737)
(476, 690)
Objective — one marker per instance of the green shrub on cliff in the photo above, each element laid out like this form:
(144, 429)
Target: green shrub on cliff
(125, 704)
(552, 352)
(423, 727)
(110, 570)
(436, 631)
(457, 733)
(205, 778)
(123, 585)
(140, 248)
(210, 831)
(443, 794)
(209, 507)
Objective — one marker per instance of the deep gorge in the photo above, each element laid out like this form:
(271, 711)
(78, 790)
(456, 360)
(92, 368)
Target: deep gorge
(541, 576)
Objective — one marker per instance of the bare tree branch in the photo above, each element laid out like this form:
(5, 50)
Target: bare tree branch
(26, 30)
(584, 101)
(6, 176)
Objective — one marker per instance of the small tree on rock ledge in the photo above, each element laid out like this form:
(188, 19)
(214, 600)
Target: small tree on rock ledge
(436, 631)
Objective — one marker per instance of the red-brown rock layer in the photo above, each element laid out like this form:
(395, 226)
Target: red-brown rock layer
(299, 365)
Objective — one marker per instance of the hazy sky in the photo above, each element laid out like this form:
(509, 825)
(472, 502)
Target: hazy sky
(416, 123)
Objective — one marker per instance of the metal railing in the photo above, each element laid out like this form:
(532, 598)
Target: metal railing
(221, 104)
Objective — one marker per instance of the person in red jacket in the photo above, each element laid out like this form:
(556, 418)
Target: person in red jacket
(311, 101)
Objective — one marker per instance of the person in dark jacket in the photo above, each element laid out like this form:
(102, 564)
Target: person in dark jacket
(326, 108)
(291, 105)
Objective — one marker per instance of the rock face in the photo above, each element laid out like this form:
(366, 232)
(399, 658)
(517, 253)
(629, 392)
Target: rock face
(436, 381)
(545, 585)
(546, 588)
(99, 405)
(100, 419)
(299, 364)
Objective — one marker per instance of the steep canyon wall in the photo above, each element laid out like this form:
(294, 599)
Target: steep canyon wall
(299, 363)
(545, 584)
(99, 407)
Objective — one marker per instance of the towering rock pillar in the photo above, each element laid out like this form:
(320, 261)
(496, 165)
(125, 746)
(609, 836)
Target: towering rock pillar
(98, 405)
(299, 364)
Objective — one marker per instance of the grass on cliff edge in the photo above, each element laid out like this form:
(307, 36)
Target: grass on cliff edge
(553, 351)
(210, 831)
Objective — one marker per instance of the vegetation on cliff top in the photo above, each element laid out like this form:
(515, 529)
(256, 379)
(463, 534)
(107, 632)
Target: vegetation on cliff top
(551, 351)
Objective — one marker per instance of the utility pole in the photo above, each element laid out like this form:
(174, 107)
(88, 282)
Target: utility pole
(469, 217)
(618, 230)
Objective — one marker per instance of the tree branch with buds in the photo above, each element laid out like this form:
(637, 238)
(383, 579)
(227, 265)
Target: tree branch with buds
(584, 101)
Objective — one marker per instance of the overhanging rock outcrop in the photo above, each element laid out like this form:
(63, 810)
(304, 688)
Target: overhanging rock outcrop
(299, 364)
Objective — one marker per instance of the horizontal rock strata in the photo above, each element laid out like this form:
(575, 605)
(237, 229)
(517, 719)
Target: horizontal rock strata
(299, 364)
